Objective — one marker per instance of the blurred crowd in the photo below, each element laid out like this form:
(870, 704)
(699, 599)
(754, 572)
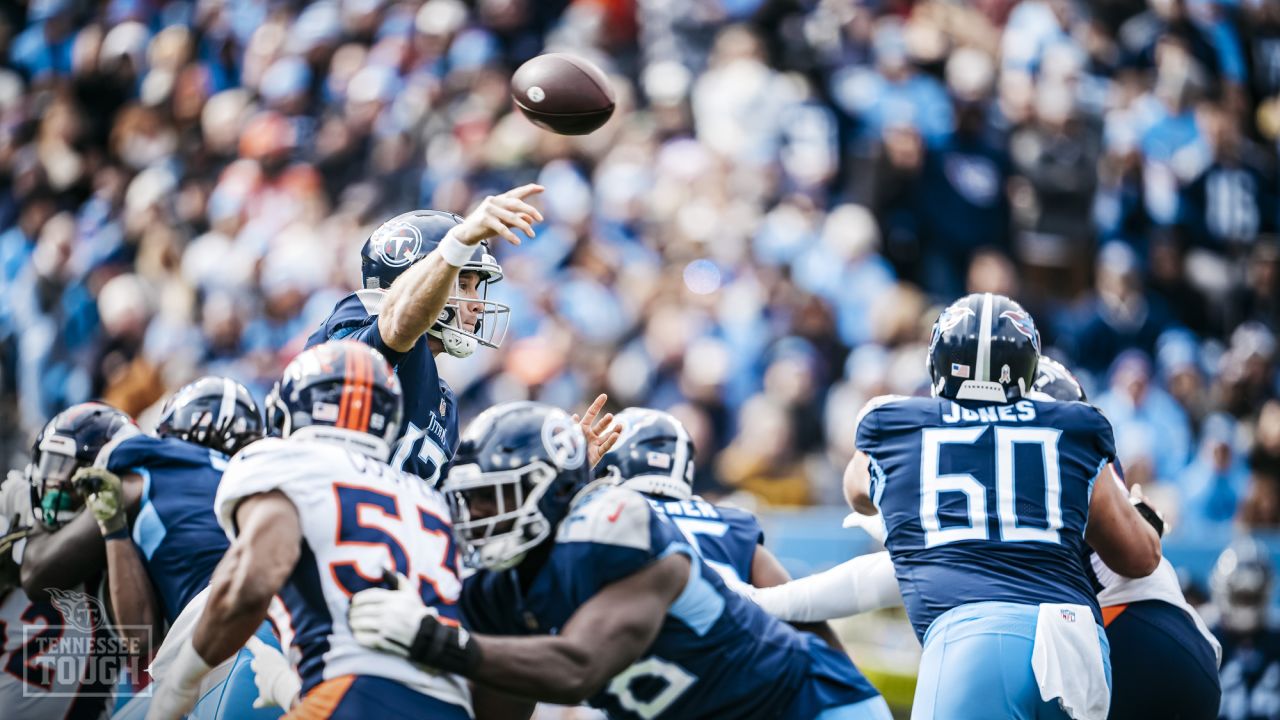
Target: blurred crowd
(758, 240)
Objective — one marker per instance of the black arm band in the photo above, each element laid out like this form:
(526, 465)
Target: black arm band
(1149, 514)
(446, 647)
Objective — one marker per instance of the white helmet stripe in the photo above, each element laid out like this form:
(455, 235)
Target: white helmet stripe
(682, 452)
(226, 411)
(983, 369)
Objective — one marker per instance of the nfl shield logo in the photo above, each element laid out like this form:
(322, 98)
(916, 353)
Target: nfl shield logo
(1068, 615)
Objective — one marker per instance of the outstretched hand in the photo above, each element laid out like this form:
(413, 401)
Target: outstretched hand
(496, 215)
(602, 433)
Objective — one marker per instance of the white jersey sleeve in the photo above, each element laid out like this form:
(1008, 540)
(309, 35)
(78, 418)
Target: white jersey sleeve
(855, 586)
(298, 469)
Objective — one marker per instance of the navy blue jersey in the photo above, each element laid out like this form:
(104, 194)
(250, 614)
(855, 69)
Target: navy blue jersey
(985, 502)
(726, 537)
(1250, 675)
(717, 655)
(430, 435)
(175, 530)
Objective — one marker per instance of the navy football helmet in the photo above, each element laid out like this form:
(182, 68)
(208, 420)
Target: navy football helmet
(409, 237)
(984, 347)
(653, 455)
(343, 392)
(518, 467)
(216, 412)
(1055, 380)
(68, 442)
(1240, 585)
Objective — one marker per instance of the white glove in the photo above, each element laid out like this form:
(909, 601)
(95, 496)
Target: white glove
(872, 524)
(178, 693)
(387, 620)
(278, 685)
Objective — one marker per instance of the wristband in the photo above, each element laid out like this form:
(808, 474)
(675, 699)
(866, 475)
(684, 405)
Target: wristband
(120, 533)
(454, 251)
(446, 647)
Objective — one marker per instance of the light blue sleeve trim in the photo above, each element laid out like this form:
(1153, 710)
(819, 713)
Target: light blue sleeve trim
(1089, 496)
(877, 482)
(699, 604)
(148, 528)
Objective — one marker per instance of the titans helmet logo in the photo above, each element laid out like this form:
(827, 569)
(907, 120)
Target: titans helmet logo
(397, 244)
(948, 320)
(1022, 323)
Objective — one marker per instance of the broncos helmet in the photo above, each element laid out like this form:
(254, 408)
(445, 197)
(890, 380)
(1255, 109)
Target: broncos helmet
(518, 467)
(653, 454)
(409, 237)
(1055, 380)
(216, 412)
(1240, 585)
(70, 441)
(343, 392)
(984, 347)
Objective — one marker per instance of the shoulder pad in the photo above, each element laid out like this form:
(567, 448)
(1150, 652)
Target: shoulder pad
(266, 465)
(612, 516)
(876, 403)
(122, 453)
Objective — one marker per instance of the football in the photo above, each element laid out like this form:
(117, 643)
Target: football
(563, 93)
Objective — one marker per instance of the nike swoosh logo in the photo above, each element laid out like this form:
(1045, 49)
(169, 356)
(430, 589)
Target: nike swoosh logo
(617, 513)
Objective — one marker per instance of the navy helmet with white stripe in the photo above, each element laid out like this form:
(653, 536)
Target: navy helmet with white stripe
(984, 347)
(215, 412)
(653, 455)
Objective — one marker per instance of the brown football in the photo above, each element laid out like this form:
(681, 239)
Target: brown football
(563, 93)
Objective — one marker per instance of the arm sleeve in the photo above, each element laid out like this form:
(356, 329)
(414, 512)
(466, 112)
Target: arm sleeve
(862, 584)
(1104, 439)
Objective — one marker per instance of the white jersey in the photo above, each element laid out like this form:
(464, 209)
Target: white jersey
(359, 516)
(46, 645)
(1160, 585)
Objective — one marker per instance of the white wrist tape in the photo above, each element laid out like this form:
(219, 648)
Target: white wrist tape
(454, 251)
(188, 668)
(864, 583)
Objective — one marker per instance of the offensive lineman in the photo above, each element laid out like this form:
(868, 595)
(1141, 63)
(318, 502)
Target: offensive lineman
(988, 498)
(654, 456)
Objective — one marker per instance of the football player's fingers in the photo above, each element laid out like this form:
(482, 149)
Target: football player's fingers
(256, 647)
(511, 217)
(602, 424)
(593, 410)
(516, 205)
(402, 582)
(495, 226)
(614, 433)
(523, 191)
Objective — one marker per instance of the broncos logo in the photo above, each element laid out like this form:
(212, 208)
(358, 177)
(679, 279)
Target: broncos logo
(80, 610)
(1023, 323)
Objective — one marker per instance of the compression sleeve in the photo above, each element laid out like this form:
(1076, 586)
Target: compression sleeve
(860, 585)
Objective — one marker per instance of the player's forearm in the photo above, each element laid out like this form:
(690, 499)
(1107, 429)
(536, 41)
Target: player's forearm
(414, 301)
(63, 559)
(856, 586)
(132, 600)
(550, 669)
(238, 603)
